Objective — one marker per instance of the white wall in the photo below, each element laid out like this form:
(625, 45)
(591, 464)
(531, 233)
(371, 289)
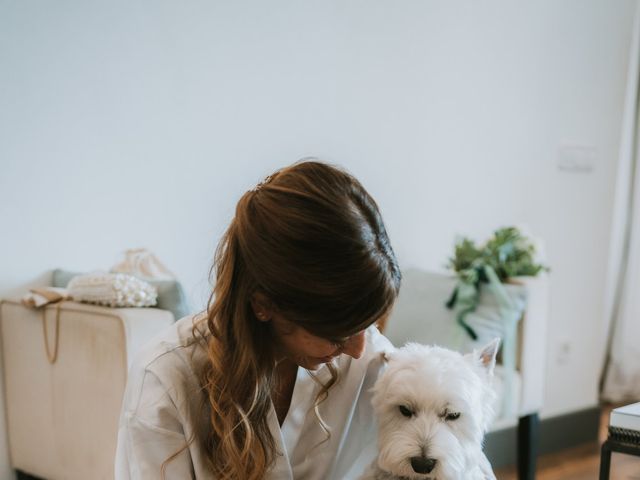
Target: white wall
(130, 124)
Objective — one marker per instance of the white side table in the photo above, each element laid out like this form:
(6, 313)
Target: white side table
(624, 436)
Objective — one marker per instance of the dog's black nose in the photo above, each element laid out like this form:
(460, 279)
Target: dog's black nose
(423, 464)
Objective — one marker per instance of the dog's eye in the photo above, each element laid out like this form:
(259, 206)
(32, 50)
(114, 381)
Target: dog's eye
(452, 416)
(405, 411)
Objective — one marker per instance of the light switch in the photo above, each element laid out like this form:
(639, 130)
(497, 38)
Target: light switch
(577, 158)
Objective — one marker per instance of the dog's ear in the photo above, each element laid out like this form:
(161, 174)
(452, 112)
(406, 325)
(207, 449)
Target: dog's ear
(385, 356)
(487, 354)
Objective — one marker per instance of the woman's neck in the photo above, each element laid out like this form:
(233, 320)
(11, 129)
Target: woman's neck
(286, 373)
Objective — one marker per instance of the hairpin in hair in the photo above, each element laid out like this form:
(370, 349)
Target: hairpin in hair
(266, 180)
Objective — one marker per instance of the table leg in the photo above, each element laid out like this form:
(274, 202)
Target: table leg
(605, 460)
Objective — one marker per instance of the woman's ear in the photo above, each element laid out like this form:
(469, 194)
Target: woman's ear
(262, 306)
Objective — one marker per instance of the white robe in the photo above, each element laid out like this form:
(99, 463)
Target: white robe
(161, 407)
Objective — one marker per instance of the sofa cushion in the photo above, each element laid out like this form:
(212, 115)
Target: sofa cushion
(171, 295)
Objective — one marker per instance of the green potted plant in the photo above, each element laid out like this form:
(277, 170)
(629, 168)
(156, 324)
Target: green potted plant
(506, 255)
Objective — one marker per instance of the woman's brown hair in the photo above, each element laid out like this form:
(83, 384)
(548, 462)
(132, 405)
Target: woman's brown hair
(312, 240)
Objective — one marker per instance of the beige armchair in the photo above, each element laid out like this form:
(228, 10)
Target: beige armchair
(420, 315)
(62, 417)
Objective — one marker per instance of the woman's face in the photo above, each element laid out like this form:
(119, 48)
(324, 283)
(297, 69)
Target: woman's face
(309, 351)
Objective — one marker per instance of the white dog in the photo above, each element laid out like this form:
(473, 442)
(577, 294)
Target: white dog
(433, 407)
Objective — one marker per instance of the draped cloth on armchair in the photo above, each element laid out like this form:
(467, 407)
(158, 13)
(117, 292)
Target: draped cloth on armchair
(621, 374)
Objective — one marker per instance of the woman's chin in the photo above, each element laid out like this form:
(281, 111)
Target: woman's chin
(316, 363)
(312, 364)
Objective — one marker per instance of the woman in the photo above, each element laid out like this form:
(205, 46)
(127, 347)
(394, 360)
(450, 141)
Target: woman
(272, 380)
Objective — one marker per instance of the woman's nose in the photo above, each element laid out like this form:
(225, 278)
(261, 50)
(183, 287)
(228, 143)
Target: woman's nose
(354, 346)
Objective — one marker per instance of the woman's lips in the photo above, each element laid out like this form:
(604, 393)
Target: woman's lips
(326, 359)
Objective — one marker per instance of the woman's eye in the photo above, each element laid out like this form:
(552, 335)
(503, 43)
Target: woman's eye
(405, 411)
(452, 416)
(339, 342)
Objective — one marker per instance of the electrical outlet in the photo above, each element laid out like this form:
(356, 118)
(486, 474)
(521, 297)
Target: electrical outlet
(563, 352)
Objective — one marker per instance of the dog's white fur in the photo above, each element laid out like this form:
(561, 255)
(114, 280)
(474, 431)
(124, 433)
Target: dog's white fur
(434, 384)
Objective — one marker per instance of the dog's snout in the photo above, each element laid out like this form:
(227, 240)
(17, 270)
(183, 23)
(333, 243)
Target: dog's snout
(423, 464)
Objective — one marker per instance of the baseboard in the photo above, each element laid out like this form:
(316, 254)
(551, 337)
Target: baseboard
(556, 433)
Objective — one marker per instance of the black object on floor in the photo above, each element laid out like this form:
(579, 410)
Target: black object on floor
(528, 434)
(25, 476)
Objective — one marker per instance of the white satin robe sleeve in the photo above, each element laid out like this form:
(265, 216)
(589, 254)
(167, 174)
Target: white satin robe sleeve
(162, 405)
(151, 433)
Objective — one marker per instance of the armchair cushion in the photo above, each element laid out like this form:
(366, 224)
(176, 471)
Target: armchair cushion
(171, 295)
